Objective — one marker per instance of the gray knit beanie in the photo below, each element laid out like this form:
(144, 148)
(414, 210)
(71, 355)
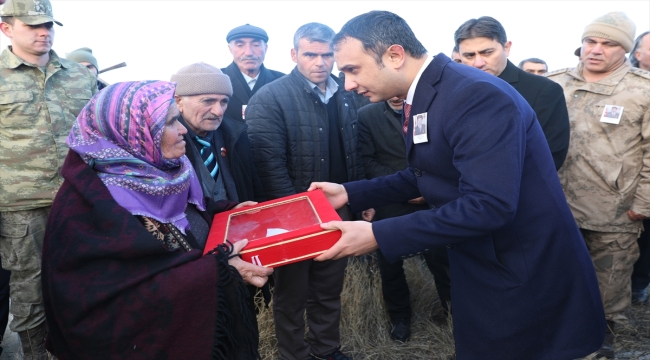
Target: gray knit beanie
(83, 54)
(201, 78)
(613, 26)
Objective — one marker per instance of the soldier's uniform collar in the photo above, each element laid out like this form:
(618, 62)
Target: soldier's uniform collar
(610, 80)
(9, 60)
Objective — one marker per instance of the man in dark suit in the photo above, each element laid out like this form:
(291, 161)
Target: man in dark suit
(248, 45)
(482, 43)
(381, 144)
(524, 286)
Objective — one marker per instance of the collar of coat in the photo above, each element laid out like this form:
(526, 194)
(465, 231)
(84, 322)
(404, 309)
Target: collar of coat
(9, 60)
(605, 85)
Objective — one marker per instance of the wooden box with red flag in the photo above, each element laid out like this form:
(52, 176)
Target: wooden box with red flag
(279, 232)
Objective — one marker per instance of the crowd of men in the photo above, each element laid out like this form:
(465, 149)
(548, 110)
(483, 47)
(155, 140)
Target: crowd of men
(256, 134)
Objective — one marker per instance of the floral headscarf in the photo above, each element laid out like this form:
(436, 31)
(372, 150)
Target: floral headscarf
(119, 134)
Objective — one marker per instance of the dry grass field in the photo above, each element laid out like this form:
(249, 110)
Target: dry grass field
(365, 326)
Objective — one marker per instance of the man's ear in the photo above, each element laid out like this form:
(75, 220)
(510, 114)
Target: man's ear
(394, 56)
(294, 55)
(6, 29)
(506, 48)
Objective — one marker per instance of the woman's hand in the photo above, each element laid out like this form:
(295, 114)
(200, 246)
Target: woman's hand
(245, 203)
(252, 274)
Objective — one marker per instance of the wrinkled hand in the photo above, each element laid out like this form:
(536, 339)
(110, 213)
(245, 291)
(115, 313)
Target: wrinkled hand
(419, 200)
(245, 203)
(635, 216)
(368, 215)
(336, 193)
(357, 239)
(252, 274)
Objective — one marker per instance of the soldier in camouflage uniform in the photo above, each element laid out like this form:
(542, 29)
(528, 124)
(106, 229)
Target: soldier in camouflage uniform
(40, 97)
(606, 175)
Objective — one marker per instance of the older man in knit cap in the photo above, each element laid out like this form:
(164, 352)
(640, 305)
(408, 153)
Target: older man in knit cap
(216, 145)
(248, 45)
(606, 175)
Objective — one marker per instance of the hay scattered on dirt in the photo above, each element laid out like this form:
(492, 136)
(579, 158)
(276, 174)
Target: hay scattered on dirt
(365, 325)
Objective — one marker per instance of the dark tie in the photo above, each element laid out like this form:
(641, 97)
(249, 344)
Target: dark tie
(208, 156)
(407, 114)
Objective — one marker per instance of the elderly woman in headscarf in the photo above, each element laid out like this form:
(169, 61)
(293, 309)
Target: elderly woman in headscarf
(123, 272)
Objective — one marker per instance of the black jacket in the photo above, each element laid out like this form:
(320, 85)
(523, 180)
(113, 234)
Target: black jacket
(241, 92)
(546, 98)
(237, 149)
(289, 130)
(383, 152)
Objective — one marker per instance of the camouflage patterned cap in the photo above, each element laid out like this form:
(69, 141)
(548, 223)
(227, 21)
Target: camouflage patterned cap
(613, 26)
(31, 12)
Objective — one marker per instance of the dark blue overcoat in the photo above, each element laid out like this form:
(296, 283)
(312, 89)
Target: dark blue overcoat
(523, 284)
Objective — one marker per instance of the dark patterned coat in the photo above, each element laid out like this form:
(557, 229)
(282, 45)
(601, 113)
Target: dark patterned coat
(111, 290)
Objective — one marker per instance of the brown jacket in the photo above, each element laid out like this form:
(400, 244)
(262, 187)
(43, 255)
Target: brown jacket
(607, 169)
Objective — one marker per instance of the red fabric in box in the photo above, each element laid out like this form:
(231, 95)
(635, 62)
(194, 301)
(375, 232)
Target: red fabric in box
(281, 231)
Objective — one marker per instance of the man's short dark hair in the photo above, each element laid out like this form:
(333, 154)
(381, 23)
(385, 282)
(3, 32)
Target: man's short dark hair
(377, 31)
(8, 19)
(534, 61)
(485, 26)
(313, 32)
(637, 43)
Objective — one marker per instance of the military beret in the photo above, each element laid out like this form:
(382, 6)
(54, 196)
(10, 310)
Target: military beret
(247, 30)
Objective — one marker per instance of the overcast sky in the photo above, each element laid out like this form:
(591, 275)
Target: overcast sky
(156, 38)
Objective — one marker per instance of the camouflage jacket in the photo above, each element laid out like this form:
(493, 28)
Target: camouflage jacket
(36, 113)
(607, 169)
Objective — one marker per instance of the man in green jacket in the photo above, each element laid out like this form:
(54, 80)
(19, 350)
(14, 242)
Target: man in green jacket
(40, 96)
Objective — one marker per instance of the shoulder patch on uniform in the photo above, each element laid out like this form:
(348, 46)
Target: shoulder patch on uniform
(640, 72)
(556, 72)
